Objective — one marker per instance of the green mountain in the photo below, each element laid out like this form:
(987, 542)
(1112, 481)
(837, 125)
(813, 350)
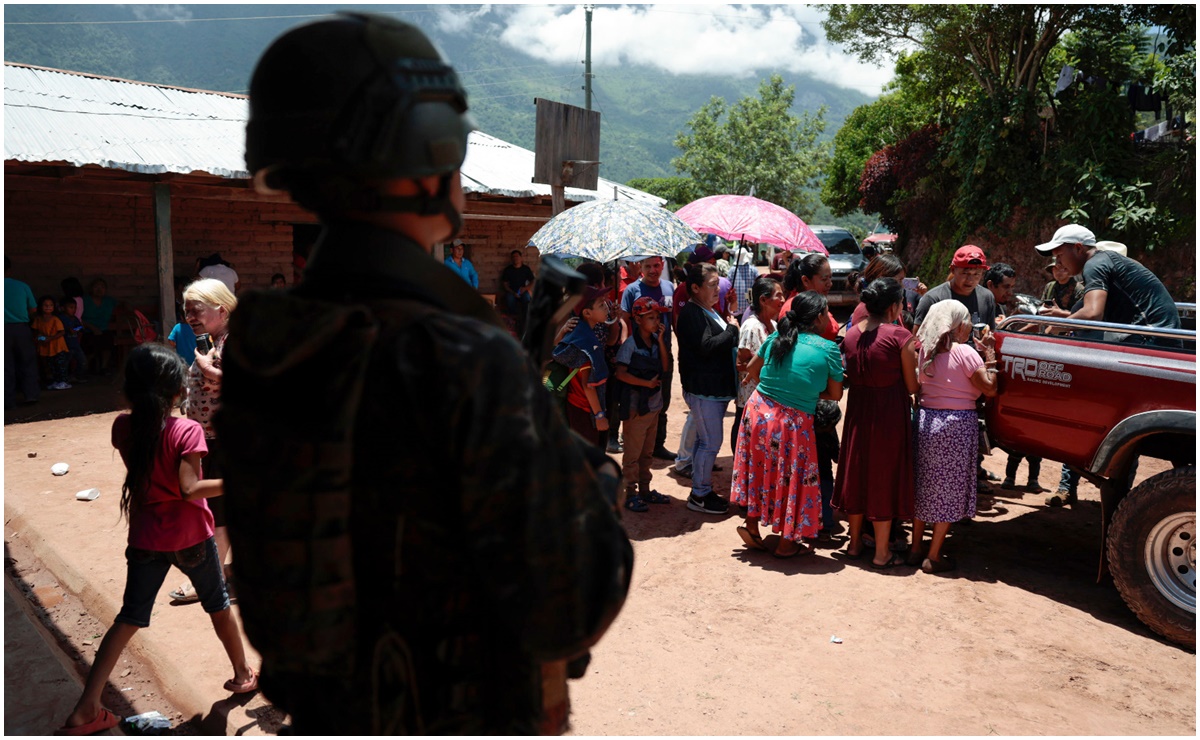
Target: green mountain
(642, 108)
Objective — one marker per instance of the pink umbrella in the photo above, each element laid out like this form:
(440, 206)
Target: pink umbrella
(750, 219)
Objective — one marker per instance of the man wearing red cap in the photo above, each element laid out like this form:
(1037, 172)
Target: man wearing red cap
(966, 272)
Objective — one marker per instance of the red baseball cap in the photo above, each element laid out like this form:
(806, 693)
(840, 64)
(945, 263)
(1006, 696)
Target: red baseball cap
(969, 255)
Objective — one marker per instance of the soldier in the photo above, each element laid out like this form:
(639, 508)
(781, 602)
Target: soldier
(419, 537)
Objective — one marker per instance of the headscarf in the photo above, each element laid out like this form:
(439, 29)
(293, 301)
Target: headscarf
(943, 319)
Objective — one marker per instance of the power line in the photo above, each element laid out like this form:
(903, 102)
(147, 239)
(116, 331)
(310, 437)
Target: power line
(499, 69)
(196, 20)
(518, 79)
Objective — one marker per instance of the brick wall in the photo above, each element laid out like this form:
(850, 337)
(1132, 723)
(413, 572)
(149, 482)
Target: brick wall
(96, 225)
(54, 233)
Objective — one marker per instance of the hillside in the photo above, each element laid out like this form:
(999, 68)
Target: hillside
(642, 108)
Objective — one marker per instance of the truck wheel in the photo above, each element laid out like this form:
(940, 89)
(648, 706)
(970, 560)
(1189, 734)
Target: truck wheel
(1152, 553)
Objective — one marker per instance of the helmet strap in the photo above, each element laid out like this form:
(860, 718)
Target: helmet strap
(333, 194)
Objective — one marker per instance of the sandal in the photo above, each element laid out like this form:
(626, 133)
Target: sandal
(893, 560)
(943, 565)
(800, 550)
(635, 503)
(752, 540)
(185, 594)
(654, 497)
(250, 685)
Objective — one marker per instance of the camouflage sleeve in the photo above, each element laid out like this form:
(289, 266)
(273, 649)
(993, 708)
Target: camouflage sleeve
(546, 544)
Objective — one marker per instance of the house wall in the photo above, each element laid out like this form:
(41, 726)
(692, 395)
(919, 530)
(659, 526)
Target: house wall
(82, 230)
(96, 225)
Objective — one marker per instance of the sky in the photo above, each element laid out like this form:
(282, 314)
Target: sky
(703, 38)
(681, 39)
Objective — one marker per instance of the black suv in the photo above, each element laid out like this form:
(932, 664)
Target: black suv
(844, 258)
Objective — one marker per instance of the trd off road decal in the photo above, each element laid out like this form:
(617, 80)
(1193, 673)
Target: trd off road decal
(1037, 371)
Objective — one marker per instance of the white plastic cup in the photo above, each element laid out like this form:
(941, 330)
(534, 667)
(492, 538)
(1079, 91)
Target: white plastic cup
(90, 494)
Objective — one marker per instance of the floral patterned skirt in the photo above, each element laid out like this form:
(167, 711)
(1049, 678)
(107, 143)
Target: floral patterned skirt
(947, 448)
(775, 473)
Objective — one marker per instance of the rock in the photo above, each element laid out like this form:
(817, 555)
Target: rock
(32, 454)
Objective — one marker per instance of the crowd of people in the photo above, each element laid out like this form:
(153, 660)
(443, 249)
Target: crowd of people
(56, 342)
(505, 558)
(914, 362)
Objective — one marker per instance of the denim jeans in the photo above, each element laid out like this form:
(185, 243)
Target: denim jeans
(707, 417)
(825, 466)
(687, 440)
(146, 570)
(1069, 480)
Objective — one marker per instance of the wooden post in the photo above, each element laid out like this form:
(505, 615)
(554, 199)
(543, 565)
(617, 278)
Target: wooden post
(558, 199)
(166, 256)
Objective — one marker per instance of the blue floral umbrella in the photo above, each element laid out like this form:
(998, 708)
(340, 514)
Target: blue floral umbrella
(608, 230)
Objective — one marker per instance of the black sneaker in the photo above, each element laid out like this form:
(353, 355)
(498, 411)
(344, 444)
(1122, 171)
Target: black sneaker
(710, 504)
(662, 453)
(687, 473)
(614, 447)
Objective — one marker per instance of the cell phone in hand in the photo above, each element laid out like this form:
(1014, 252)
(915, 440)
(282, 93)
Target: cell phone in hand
(204, 343)
(1048, 303)
(910, 283)
(978, 329)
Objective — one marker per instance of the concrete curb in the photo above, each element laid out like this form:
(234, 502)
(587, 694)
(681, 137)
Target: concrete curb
(172, 681)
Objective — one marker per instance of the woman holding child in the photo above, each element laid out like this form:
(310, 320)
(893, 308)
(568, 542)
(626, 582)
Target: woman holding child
(775, 473)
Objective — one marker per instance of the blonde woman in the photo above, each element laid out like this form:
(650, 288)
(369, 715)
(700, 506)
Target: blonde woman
(207, 304)
(952, 376)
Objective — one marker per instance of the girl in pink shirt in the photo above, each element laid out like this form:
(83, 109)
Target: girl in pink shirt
(169, 524)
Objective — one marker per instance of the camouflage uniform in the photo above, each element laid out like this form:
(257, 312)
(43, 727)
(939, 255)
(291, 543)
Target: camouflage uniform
(406, 563)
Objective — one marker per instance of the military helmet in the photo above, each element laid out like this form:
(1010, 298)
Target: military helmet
(355, 97)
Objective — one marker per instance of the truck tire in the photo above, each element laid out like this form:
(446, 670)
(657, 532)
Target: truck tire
(1152, 553)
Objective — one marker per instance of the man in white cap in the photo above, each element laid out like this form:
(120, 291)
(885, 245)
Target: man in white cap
(1116, 288)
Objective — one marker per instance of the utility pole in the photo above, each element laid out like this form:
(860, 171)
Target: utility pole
(587, 62)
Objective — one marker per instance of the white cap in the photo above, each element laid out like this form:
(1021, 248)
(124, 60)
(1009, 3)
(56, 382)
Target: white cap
(1069, 234)
(1117, 247)
(224, 273)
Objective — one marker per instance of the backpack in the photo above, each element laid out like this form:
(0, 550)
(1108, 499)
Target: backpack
(141, 328)
(557, 377)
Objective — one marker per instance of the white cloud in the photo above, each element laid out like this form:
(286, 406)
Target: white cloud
(452, 20)
(160, 12)
(684, 39)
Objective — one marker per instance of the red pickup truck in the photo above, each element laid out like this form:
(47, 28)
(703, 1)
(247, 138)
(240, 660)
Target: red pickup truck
(1097, 397)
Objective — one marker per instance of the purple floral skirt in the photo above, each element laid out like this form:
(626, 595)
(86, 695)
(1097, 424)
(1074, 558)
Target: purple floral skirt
(947, 451)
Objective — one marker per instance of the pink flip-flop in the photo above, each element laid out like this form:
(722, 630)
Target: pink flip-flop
(104, 720)
(250, 685)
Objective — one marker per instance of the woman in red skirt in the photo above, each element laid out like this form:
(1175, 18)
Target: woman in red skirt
(775, 472)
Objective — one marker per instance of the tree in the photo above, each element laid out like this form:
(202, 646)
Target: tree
(866, 130)
(679, 191)
(1002, 47)
(757, 143)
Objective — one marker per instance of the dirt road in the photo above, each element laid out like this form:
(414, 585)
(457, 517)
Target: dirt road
(715, 640)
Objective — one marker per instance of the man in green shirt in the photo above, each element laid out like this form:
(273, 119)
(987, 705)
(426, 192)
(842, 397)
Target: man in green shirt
(20, 360)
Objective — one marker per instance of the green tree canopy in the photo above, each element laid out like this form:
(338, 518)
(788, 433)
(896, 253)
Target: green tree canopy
(679, 191)
(1003, 47)
(756, 143)
(867, 130)
(983, 77)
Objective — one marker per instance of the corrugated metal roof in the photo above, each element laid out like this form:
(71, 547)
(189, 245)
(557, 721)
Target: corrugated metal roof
(58, 116)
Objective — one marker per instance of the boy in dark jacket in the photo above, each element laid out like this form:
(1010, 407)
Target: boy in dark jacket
(641, 362)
